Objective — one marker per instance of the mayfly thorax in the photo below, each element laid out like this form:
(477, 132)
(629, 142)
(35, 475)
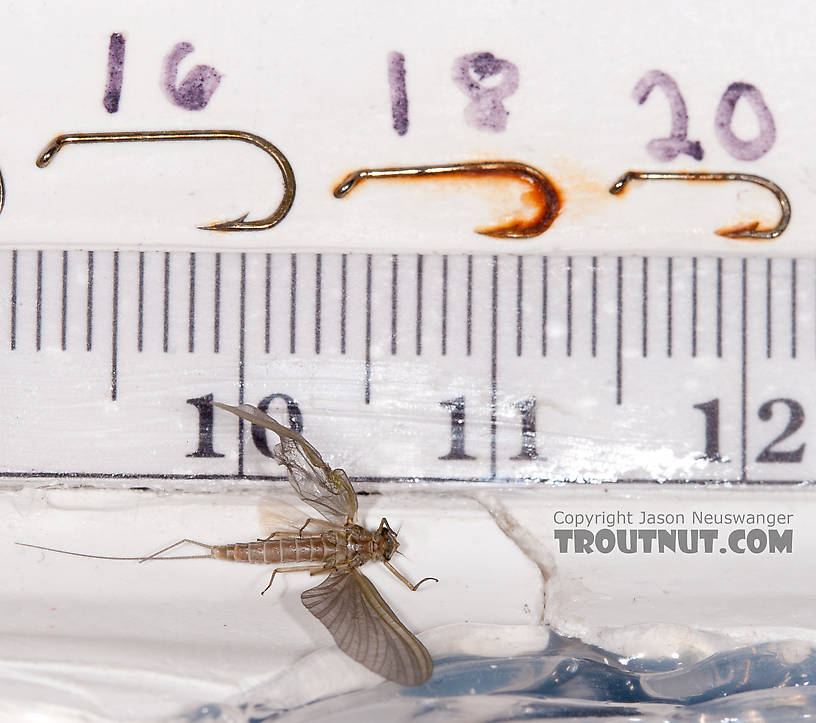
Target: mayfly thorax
(346, 602)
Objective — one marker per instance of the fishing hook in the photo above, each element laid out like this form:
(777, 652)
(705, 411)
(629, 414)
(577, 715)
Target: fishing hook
(544, 193)
(236, 224)
(745, 231)
(2, 192)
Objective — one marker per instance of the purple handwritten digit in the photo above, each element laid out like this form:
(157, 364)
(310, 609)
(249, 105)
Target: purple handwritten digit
(486, 109)
(756, 147)
(198, 86)
(667, 149)
(116, 62)
(399, 96)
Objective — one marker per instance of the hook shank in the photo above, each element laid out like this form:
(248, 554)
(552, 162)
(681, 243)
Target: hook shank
(237, 224)
(545, 194)
(748, 231)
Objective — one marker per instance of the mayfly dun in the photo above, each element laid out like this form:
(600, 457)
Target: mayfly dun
(346, 602)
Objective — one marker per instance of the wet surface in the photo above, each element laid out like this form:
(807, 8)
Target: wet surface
(570, 679)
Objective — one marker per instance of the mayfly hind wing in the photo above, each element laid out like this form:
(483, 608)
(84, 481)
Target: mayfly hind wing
(328, 491)
(366, 629)
(277, 516)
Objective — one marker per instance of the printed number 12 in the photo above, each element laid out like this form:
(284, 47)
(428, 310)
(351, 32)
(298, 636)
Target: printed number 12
(770, 453)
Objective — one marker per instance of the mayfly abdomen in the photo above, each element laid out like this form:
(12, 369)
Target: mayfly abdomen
(275, 551)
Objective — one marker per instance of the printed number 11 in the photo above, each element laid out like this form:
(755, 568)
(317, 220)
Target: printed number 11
(527, 410)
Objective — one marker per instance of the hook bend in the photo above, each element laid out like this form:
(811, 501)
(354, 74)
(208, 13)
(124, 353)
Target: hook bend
(236, 224)
(543, 191)
(743, 231)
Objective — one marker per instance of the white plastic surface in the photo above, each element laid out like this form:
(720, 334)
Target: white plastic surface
(124, 640)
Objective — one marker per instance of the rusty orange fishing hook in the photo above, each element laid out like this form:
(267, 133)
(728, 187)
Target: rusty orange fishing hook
(545, 194)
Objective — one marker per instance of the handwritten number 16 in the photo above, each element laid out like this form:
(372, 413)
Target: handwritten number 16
(192, 93)
(677, 142)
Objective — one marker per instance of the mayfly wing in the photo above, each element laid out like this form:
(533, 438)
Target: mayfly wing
(366, 629)
(327, 490)
(275, 515)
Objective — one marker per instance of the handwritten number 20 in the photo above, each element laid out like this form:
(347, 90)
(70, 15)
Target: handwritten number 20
(677, 142)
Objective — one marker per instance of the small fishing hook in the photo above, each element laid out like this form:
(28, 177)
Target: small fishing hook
(2, 192)
(745, 231)
(544, 193)
(236, 224)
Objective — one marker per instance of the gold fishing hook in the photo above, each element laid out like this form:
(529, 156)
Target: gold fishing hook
(236, 224)
(744, 231)
(543, 191)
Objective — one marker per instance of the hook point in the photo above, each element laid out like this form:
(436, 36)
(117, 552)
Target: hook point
(235, 224)
(514, 230)
(749, 231)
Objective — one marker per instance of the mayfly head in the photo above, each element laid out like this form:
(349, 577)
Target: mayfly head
(386, 541)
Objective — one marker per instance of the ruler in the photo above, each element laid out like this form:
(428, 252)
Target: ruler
(502, 368)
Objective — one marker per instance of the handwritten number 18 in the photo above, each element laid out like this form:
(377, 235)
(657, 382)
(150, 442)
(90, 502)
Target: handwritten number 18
(484, 78)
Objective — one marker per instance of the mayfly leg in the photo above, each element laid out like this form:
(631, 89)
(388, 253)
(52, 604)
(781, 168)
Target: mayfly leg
(299, 532)
(277, 533)
(317, 521)
(405, 580)
(176, 544)
(311, 568)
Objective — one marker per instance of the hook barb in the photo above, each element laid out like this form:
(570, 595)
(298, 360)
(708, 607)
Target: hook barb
(543, 191)
(751, 230)
(236, 224)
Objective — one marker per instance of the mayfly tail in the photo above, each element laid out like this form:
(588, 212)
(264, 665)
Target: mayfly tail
(185, 541)
(109, 557)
